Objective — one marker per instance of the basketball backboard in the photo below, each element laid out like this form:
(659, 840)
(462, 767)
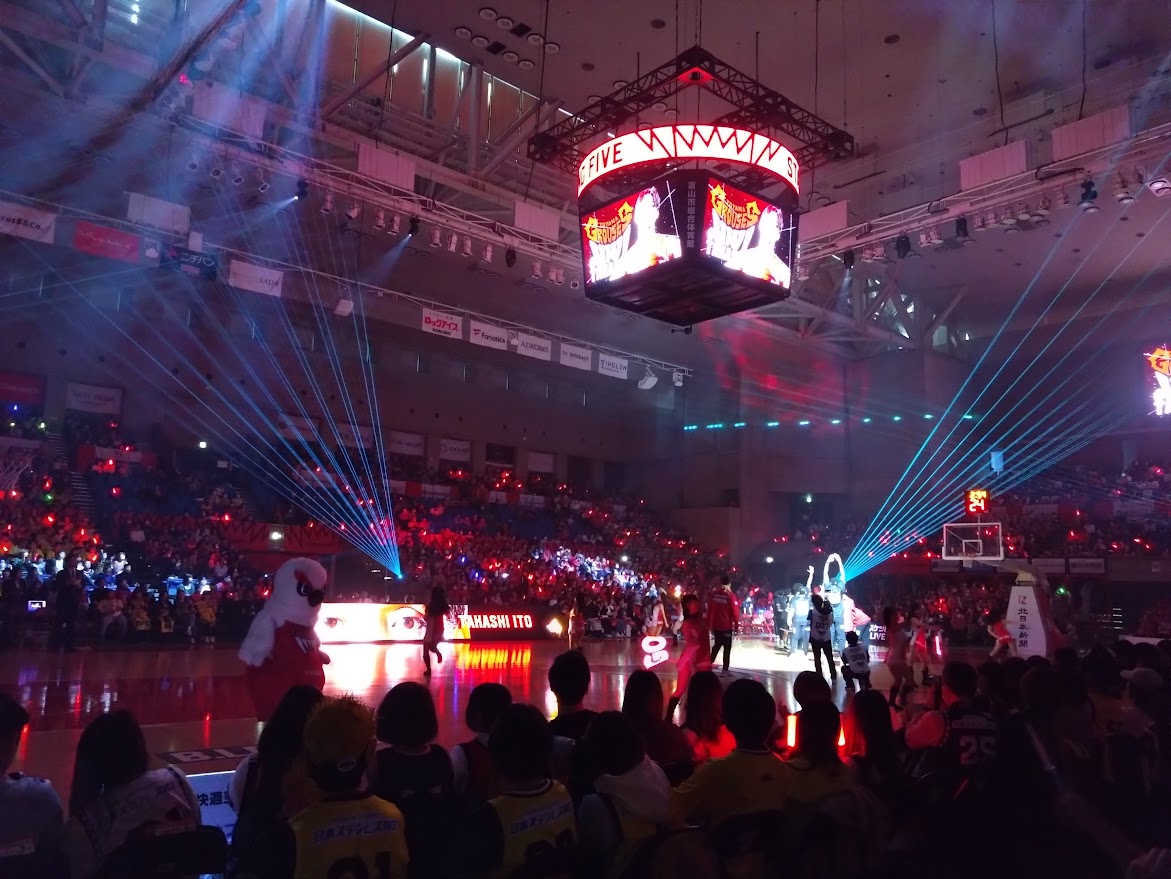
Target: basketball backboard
(973, 542)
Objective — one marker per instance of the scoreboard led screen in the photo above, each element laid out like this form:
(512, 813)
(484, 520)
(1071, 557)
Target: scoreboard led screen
(630, 235)
(747, 234)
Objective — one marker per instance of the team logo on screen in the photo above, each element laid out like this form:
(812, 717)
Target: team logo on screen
(603, 232)
(736, 217)
(744, 234)
(1160, 364)
(623, 238)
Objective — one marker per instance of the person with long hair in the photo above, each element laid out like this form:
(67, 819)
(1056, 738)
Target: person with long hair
(656, 618)
(703, 720)
(874, 750)
(435, 614)
(577, 621)
(816, 766)
(896, 653)
(696, 643)
(115, 795)
(666, 744)
(258, 787)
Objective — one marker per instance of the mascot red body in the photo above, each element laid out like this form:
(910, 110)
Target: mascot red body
(282, 649)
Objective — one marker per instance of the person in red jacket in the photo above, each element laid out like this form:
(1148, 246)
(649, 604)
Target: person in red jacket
(723, 617)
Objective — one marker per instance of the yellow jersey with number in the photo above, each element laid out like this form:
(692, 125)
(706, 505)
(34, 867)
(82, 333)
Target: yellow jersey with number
(534, 824)
(357, 838)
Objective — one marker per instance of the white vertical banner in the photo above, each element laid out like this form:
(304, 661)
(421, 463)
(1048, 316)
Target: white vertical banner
(577, 357)
(455, 450)
(488, 335)
(441, 323)
(540, 462)
(26, 222)
(613, 366)
(258, 279)
(534, 346)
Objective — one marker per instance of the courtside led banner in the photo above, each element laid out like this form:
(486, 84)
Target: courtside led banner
(680, 142)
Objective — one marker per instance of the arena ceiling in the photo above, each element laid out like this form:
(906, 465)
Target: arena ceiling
(918, 91)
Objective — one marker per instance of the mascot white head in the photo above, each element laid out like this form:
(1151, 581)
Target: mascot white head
(298, 589)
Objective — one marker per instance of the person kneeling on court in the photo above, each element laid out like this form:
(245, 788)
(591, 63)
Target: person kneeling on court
(855, 663)
(347, 832)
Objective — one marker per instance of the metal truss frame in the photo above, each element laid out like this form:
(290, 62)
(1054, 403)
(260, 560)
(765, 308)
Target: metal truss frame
(755, 107)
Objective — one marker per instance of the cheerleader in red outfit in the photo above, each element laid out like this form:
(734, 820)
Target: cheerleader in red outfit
(696, 644)
(998, 629)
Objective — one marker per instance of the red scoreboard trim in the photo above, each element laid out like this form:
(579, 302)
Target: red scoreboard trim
(675, 142)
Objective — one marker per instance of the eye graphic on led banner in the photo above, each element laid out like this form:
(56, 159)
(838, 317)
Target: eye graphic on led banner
(1159, 379)
(748, 234)
(630, 235)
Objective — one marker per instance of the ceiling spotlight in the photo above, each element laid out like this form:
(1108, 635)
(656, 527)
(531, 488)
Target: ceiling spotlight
(526, 64)
(464, 33)
(992, 220)
(677, 379)
(620, 83)
(216, 171)
(510, 56)
(193, 163)
(487, 257)
(1089, 196)
(302, 190)
(980, 224)
(505, 23)
(396, 224)
(648, 381)
(1011, 228)
(1160, 187)
(1008, 218)
(903, 246)
(535, 39)
(1023, 213)
(536, 270)
(467, 251)
(1121, 193)
(327, 203)
(510, 257)
(237, 176)
(1043, 208)
(354, 210)
(671, 112)
(480, 41)
(848, 259)
(552, 48)
(412, 226)
(379, 219)
(487, 13)
(1040, 221)
(436, 237)
(263, 186)
(452, 242)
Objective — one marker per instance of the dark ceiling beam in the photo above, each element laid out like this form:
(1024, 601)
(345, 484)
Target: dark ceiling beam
(381, 70)
(31, 63)
(513, 137)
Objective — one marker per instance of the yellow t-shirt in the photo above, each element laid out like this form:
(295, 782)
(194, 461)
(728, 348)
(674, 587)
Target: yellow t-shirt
(534, 824)
(362, 837)
(742, 782)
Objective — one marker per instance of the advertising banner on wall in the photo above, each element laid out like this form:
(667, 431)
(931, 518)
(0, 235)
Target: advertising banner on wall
(406, 444)
(25, 222)
(93, 398)
(440, 323)
(1087, 566)
(107, 242)
(455, 450)
(540, 462)
(189, 262)
(356, 436)
(577, 357)
(488, 335)
(1049, 566)
(371, 623)
(258, 279)
(296, 427)
(613, 366)
(21, 388)
(534, 346)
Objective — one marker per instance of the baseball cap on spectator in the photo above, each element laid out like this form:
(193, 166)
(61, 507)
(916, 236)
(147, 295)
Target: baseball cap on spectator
(1146, 680)
(339, 740)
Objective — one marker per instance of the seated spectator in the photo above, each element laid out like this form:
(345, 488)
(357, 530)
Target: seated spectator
(531, 823)
(815, 771)
(664, 742)
(413, 772)
(31, 822)
(345, 825)
(810, 687)
(569, 679)
(703, 721)
(874, 750)
(750, 779)
(258, 787)
(633, 797)
(955, 738)
(473, 773)
(115, 796)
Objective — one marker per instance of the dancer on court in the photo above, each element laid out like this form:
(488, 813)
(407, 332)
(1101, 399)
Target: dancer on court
(434, 615)
(896, 654)
(696, 643)
(920, 632)
(656, 619)
(577, 621)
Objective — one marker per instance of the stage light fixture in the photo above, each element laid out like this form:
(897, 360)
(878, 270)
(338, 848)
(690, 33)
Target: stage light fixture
(413, 226)
(979, 224)
(648, 381)
(1043, 208)
(436, 237)
(1089, 197)
(962, 235)
(467, 250)
(1122, 193)
(452, 242)
(353, 211)
(1023, 213)
(193, 163)
(510, 257)
(1062, 201)
(302, 190)
(480, 41)
(1160, 187)
(203, 444)
(379, 219)
(903, 246)
(1008, 220)
(327, 203)
(992, 219)
(463, 32)
(344, 307)
(263, 186)
(552, 273)
(237, 175)
(924, 239)
(537, 270)
(216, 171)
(396, 224)
(848, 260)
(560, 279)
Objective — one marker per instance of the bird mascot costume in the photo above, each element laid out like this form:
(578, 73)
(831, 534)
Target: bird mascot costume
(281, 649)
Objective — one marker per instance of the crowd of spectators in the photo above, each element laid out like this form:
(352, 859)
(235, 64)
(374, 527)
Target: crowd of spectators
(1054, 767)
